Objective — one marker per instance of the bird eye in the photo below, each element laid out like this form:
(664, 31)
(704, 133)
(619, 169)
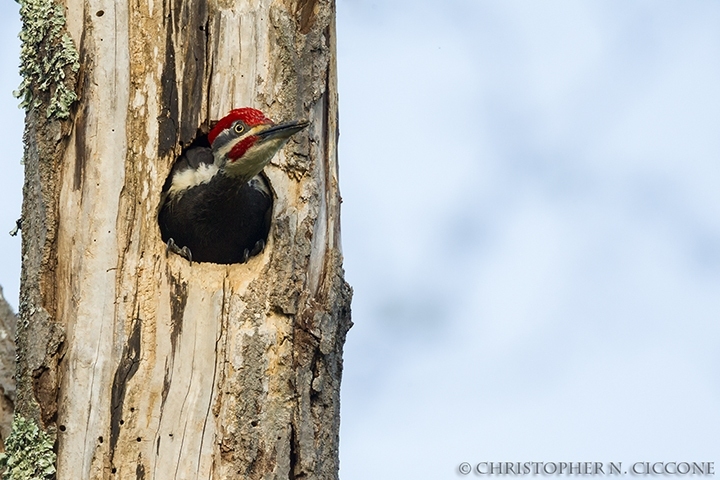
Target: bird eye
(239, 127)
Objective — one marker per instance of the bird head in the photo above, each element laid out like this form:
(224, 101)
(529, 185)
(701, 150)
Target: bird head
(245, 140)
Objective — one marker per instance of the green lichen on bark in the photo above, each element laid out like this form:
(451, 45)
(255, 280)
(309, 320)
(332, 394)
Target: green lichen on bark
(48, 59)
(29, 452)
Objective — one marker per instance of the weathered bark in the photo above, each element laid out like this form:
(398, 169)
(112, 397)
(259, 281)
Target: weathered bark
(8, 322)
(146, 366)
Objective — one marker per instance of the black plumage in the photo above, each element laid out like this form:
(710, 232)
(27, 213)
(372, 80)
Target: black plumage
(220, 221)
(216, 205)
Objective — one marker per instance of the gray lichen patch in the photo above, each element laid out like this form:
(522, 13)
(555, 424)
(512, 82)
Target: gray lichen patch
(29, 454)
(48, 59)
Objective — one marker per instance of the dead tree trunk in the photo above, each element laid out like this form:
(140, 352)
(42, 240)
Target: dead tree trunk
(140, 364)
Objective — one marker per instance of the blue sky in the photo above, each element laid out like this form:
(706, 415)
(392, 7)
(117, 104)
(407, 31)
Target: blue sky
(531, 224)
(11, 123)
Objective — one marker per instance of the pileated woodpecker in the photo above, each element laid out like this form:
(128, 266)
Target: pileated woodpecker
(216, 206)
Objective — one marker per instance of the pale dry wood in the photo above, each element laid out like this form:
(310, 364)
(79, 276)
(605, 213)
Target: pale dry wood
(164, 369)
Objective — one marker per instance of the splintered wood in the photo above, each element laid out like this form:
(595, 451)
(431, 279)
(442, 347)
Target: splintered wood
(147, 366)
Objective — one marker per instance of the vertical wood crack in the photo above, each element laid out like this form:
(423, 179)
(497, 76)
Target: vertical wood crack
(129, 364)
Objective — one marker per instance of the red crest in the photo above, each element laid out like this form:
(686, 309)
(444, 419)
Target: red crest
(250, 116)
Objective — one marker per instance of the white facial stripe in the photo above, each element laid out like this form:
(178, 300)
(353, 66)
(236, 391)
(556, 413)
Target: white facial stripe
(189, 177)
(225, 148)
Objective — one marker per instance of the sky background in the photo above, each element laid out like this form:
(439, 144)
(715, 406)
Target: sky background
(531, 225)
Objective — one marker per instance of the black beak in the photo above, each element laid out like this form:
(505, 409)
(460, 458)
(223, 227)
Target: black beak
(283, 130)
